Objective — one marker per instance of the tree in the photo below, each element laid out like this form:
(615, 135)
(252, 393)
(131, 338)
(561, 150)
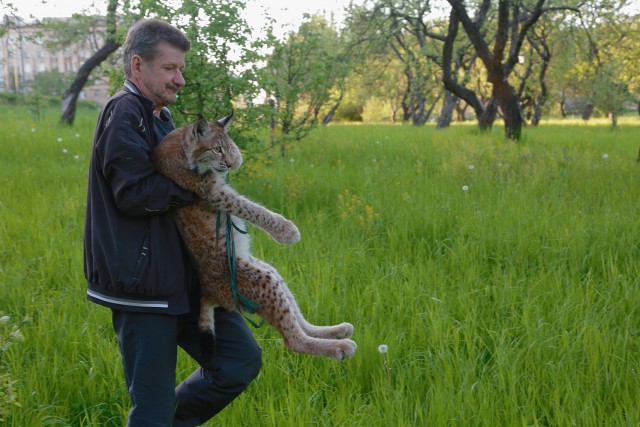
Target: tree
(607, 91)
(219, 72)
(111, 44)
(51, 83)
(603, 63)
(300, 74)
(513, 22)
(220, 67)
(409, 30)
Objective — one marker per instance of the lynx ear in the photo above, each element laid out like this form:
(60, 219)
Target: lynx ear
(201, 128)
(226, 122)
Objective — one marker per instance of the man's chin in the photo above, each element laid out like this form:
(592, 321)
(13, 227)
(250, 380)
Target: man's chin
(170, 99)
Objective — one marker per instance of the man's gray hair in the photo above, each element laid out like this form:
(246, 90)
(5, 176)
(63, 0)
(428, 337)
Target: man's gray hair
(145, 36)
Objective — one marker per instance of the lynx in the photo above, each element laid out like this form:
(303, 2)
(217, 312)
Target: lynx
(197, 157)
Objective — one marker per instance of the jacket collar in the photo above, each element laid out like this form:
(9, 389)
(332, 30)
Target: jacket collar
(130, 87)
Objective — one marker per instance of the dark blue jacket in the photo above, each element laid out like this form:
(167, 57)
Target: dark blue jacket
(134, 258)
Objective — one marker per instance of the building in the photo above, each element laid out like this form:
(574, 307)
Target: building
(23, 54)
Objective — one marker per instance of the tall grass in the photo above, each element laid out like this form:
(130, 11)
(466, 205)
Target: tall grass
(502, 277)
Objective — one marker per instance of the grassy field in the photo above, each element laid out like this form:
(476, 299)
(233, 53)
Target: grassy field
(502, 277)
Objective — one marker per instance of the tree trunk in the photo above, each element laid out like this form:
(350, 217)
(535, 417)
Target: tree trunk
(272, 121)
(537, 113)
(446, 115)
(417, 109)
(563, 111)
(544, 93)
(70, 96)
(510, 106)
(394, 114)
(488, 116)
(484, 115)
(329, 116)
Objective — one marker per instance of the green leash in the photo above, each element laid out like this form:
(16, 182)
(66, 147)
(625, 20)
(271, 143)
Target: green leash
(241, 300)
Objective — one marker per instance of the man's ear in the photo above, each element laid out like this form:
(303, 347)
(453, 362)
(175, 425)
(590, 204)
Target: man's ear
(136, 64)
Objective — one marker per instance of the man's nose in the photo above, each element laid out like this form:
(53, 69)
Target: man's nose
(179, 79)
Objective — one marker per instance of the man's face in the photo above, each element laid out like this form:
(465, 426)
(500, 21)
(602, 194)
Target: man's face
(160, 79)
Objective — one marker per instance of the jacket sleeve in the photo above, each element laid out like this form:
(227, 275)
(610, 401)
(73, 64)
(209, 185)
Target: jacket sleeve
(124, 153)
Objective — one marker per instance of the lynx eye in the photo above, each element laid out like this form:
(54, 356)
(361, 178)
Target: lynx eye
(217, 150)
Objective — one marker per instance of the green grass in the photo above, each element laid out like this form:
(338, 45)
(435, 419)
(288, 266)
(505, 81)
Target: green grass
(511, 303)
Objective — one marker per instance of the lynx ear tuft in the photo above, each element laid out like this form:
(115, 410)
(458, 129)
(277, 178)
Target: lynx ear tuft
(201, 128)
(226, 122)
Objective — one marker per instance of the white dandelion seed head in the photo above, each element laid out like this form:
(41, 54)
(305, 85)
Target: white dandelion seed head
(64, 150)
(76, 157)
(471, 167)
(77, 135)
(465, 188)
(33, 129)
(292, 161)
(59, 139)
(382, 348)
(605, 156)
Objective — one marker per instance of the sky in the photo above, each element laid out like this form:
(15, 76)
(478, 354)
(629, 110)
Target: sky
(288, 13)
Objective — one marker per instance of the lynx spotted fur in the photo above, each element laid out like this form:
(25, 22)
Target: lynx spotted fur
(197, 157)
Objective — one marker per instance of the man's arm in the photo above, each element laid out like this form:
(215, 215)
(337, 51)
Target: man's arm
(125, 158)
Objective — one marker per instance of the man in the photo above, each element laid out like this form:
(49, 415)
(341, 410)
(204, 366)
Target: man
(135, 262)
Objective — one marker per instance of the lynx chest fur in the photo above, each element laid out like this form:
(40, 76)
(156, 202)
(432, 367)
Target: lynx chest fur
(197, 157)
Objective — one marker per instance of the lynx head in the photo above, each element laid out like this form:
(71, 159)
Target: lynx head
(209, 148)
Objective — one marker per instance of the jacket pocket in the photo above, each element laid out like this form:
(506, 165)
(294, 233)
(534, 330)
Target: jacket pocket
(142, 263)
(135, 266)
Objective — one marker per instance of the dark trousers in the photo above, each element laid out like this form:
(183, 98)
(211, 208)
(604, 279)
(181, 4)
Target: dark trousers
(148, 344)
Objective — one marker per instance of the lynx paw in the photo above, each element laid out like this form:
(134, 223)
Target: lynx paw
(345, 330)
(286, 232)
(344, 349)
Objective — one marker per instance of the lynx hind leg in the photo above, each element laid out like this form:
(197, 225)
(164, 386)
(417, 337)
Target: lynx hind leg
(271, 293)
(206, 326)
(340, 331)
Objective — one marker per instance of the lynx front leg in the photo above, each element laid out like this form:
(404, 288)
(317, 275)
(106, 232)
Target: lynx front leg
(342, 330)
(220, 196)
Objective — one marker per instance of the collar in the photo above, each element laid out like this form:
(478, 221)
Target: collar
(130, 87)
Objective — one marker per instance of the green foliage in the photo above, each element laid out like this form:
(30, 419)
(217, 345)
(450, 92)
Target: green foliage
(302, 73)
(220, 66)
(597, 59)
(607, 91)
(79, 30)
(51, 83)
